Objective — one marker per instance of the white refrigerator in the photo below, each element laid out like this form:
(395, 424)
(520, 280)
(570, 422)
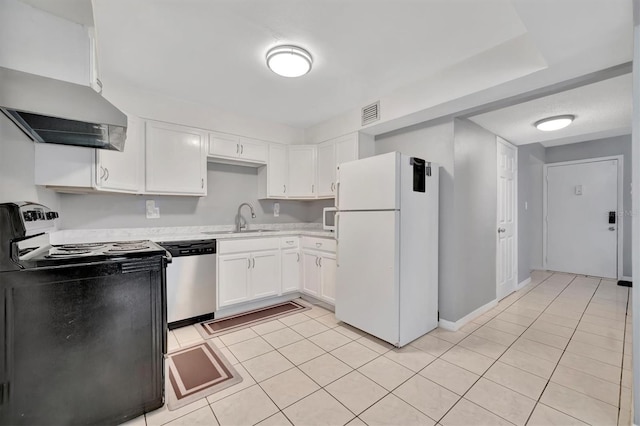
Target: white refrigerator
(387, 246)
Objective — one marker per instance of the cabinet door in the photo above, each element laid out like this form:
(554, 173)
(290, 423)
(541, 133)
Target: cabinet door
(265, 274)
(224, 145)
(119, 171)
(346, 149)
(175, 159)
(277, 170)
(302, 171)
(233, 279)
(253, 150)
(328, 277)
(290, 270)
(326, 169)
(311, 281)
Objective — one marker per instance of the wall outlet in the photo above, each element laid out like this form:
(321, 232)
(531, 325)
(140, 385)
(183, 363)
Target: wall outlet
(276, 209)
(153, 212)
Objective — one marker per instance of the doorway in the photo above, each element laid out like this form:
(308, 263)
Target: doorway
(507, 231)
(582, 227)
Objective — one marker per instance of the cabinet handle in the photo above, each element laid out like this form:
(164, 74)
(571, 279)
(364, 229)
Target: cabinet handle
(107, 172)
(103, 173)
(317, 258)
(313, 188)
(290, 242)
(320, 262)
(332, 186)
(237, 148)
(202, 183)
(284, 189)
(318, 244)
(248, 263)
(298, 257)
(254, 263)
(241, 149)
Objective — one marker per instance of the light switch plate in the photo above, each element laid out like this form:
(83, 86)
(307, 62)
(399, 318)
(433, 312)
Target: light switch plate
(276, 209)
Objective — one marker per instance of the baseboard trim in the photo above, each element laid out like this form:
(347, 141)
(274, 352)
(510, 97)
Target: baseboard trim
(455, 326)
(523, 283)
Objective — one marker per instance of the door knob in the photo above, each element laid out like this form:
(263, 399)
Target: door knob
(612, 228)
(501, 230)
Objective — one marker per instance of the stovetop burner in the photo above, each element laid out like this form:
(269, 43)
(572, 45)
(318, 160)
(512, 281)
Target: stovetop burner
(68, 253)
(84, 246)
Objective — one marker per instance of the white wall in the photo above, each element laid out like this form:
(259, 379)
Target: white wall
(38, 42)
(467, 157)
(16, 168)
(228, 187)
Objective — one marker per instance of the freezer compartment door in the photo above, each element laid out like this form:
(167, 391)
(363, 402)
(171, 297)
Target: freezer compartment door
(369, 184)
(367, 277)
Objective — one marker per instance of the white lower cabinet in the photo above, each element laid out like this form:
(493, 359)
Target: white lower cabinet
(311, 281)
(265, 274)
(233, 279)
(328, 277)
(291, 270)
(248, 270)
(320, 275)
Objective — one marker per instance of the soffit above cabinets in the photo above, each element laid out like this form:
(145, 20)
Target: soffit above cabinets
(212, 53)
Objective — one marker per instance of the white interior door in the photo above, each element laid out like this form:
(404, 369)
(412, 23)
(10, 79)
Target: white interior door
(506, 258)
(579, 237)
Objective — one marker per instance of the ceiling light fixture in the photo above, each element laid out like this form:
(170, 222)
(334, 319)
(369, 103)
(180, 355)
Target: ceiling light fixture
(554, 123)
(289, 61)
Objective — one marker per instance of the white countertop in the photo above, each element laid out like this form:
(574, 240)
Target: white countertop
(181, 233)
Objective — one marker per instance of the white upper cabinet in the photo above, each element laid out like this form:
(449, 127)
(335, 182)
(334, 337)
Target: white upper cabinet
(302, 171)
(272, 179)
(120, 171)
(232, 149)
(175, 159)
(78, 169)
(326, 168)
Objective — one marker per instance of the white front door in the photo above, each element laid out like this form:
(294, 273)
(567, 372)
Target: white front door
(581, 197)
(506, 258)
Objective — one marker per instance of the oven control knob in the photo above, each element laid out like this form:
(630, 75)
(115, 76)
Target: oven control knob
(51, 215)
(30, 215)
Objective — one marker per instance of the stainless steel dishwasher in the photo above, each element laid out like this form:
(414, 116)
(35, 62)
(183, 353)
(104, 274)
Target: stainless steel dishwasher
(191, 281)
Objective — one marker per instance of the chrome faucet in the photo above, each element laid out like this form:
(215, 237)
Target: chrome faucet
(239, 219)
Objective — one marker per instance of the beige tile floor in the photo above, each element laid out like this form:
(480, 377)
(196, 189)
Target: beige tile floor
(557, 352)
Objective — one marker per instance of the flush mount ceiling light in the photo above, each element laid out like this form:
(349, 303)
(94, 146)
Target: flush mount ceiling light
(289, 61)
(554, 123)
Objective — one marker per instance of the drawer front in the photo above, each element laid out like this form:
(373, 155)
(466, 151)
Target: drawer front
(289, 242)
(323, 244)
(248, 245)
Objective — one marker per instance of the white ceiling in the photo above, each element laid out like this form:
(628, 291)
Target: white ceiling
(79, 11)
(211, 52)
(602, 109)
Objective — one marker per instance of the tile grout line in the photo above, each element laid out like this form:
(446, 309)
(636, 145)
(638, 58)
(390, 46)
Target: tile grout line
(482, 375)
(563, 352)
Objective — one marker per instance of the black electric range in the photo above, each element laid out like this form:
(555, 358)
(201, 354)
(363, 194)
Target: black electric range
(83, 326)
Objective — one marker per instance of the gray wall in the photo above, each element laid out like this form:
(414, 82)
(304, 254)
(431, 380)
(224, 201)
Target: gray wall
(228, 187)
(620, 145)
(467, 156)
(531, 159)
(17, 156)
(475, 219)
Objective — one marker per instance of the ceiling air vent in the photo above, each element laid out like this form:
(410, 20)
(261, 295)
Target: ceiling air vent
(371, 113)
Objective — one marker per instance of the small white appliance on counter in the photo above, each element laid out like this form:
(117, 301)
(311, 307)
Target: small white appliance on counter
(387, 246)
(329, 218)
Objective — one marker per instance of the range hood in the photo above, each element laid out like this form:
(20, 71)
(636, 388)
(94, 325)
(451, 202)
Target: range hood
(55, 111)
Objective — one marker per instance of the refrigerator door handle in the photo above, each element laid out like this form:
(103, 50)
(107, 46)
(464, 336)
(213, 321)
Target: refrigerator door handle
(338, 195)
(337, 238)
